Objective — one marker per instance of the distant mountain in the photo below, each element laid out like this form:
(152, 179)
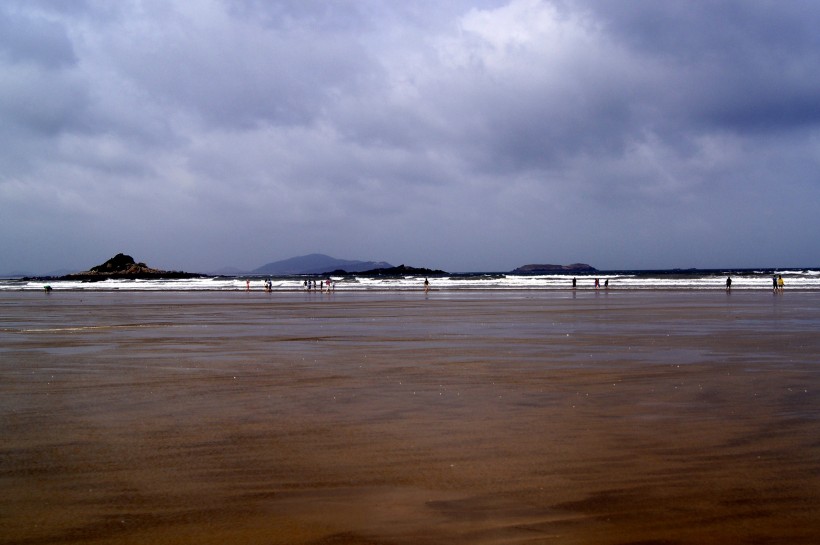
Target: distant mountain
(228, 271)
(16, 274)
(29, 274)
(62, 272)
(548, 269)
(317, 264)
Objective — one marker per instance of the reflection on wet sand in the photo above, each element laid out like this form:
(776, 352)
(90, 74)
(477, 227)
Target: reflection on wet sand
(663, 418)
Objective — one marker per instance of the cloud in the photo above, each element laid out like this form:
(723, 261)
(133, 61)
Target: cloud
(26, 38)
(459, 135)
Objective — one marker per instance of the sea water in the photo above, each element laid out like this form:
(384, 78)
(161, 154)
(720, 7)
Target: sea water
(742, 279)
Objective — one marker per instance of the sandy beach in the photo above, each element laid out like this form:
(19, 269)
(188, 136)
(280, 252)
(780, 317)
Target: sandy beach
(520, 417)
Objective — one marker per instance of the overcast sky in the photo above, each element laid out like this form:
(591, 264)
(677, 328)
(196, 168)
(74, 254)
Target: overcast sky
(463, 135)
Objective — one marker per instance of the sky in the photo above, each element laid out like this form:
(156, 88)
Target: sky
(461, 135)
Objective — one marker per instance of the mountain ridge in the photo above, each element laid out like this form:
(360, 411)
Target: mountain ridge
(317, 264)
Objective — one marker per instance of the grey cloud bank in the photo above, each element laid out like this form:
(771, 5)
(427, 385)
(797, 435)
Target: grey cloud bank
(453, 135)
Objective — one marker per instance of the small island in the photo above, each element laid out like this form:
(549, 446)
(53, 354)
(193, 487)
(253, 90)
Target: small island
(555, 269)
(123, 266)
(400, 271)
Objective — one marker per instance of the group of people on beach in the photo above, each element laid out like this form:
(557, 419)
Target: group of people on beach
(268, 285)
(309, 285)
(597, 283)
(330, 285)
(777, 283)
(320, 285)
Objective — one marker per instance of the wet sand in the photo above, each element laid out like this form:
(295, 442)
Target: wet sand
(395, 418)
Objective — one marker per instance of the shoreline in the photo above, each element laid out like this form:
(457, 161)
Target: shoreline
(705, 280)
(367, 289)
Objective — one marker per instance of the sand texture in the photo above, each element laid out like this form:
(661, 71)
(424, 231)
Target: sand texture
(653, 418)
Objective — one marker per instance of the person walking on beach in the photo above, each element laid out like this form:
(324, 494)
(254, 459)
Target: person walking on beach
(606, 284)
(774, 283)
(597, 284)
(573, 283)
(728, 283)
(426, 285)
(780, 283)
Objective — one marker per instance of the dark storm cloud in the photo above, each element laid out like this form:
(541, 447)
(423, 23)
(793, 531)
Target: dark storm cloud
(461, 135)
(235, 74)
(744, 65)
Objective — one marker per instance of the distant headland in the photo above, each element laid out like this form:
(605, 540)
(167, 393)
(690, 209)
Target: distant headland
(400, 271)
(320, 264)
(317, 264)
(551, 269)
(123, 266)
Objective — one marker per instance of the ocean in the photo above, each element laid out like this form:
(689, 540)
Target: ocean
(673, 279)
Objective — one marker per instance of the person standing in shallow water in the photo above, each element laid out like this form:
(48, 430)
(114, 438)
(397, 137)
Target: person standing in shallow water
(780, 283)
(426, 285)
(728, 283)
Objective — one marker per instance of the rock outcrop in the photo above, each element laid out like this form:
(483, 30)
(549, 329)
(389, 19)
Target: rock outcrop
(400, 271)
(552, 269)
(124, 266)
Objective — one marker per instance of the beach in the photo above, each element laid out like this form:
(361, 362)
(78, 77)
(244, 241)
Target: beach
(515, 417)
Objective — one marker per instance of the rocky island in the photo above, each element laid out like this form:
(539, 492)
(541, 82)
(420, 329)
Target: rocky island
(554, 269)
(123, 266)
(400, 271)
